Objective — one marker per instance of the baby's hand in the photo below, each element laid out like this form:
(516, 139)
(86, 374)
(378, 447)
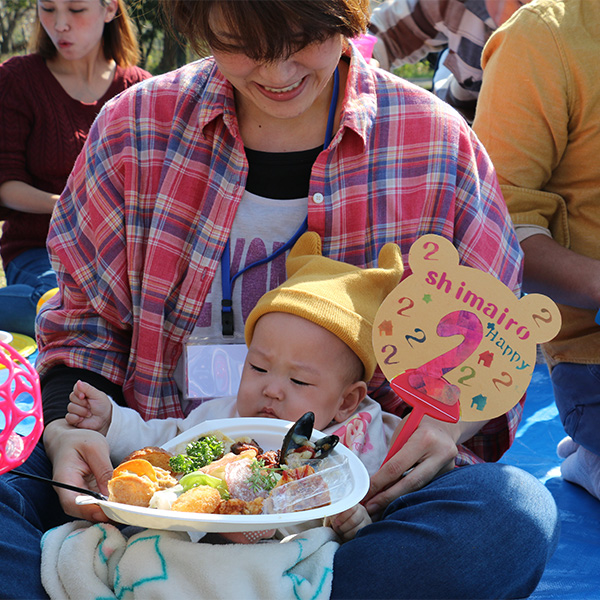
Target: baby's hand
(89, 408)
(346, 524)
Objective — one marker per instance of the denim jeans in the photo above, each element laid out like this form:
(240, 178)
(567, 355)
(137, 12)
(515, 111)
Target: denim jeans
(28, 277)
(484, 531)
(27, 509)
(577, 397)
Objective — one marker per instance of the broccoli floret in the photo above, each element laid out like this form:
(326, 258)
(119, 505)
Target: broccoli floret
(181, 464)
(198, 454)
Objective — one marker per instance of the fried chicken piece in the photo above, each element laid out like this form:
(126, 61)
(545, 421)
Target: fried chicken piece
(235, 506)
(156, 456)
(255, 507)
(200, 499)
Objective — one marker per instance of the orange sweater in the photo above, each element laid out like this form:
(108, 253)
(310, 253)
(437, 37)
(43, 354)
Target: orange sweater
(538, 116)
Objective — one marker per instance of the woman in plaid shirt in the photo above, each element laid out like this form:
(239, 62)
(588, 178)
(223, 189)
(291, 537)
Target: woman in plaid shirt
(285, 122)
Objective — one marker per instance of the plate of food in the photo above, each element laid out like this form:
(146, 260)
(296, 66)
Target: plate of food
(258, 474)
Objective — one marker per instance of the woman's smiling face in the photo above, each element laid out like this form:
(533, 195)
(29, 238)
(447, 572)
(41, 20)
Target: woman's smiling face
(285, 88)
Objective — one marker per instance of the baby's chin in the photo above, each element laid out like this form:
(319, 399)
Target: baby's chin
(270, 414)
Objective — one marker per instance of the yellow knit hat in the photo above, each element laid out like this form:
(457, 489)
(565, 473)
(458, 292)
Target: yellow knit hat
(342, 298)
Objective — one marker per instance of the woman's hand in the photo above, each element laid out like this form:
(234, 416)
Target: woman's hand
(80, 457)
(429, 452)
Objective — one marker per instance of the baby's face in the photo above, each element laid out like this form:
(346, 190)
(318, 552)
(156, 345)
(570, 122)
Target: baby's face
(294, 366)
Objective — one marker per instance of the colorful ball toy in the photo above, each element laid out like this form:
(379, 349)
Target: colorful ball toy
(21, 420)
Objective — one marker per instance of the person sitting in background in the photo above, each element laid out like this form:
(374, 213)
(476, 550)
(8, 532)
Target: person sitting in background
(83, 53)
(538, 118)
(408, 30)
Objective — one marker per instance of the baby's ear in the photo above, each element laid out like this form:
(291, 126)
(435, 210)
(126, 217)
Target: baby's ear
(353, 395)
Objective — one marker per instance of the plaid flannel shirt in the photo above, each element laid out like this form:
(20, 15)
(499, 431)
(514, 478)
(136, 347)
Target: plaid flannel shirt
(137, 235)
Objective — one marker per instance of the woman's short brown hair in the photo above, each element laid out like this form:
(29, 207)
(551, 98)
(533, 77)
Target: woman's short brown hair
(118, 40)
(265, 29)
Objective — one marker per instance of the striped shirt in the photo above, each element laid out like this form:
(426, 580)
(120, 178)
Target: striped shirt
(137, 235)
(408, 30)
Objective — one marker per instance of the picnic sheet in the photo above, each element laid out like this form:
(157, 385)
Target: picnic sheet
(84, 562)
(573, 573)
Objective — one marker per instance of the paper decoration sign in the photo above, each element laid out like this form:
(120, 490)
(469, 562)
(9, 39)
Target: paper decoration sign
(21, 421)
(456, 342)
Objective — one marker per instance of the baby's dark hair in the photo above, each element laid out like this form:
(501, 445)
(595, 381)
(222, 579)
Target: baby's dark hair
(265, 30)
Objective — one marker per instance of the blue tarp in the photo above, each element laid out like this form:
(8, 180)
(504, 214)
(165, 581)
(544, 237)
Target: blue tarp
(574, 571)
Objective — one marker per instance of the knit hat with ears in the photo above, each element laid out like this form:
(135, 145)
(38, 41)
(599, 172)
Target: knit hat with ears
(342, 298)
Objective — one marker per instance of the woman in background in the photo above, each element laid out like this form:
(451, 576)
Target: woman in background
(83, 54)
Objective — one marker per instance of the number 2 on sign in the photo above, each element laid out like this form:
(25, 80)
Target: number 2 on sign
(460, 322)
(392, 352)
(403, 309)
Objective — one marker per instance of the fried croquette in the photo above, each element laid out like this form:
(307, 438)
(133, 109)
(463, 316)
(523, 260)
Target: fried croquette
(200, 499)
(130, 488)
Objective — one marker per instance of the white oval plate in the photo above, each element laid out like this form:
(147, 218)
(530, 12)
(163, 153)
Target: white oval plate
(269, 434)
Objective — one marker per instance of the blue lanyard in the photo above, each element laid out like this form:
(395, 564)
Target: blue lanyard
(227, 280)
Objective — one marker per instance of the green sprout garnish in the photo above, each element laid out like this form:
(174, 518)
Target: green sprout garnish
(262, 478)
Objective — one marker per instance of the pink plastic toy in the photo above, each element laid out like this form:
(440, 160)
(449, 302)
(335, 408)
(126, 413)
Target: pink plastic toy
(21, 421)
(365, 44)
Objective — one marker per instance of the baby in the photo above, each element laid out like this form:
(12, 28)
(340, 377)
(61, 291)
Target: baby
(309, 349)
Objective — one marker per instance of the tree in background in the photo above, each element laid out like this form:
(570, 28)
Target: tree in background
(161, 52)
(14, 21)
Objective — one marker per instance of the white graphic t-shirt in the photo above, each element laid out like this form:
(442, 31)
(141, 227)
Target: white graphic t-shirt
(274, 222)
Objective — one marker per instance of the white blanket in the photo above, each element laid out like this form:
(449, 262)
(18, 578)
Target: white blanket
(84, 561)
